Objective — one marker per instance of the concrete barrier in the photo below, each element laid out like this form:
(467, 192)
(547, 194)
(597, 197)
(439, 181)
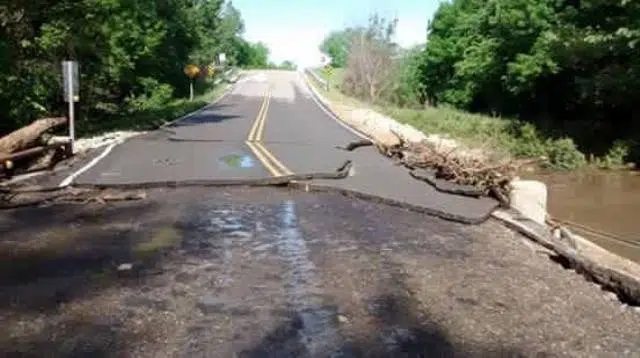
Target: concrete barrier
(317, 78)
(529, 197)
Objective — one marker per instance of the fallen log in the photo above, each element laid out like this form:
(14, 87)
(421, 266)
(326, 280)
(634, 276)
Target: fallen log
(49, 154)
(28, 136)
(596, 264)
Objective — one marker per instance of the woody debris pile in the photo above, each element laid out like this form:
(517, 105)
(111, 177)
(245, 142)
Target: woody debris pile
(32, 148)
(451, 170)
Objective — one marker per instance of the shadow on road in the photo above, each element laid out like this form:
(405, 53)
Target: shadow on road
(210, 115)
(54, 255)
(397, 327)
(79, 338)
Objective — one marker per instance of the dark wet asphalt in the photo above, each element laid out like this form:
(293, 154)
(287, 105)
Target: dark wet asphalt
(212, 272)
(297, 132)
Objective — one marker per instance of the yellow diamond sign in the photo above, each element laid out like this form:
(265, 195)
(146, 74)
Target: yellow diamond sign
(192, 71)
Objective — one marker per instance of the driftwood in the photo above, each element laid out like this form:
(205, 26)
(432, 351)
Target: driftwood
(428, 175)
(28, 136)
(472, 173)
(12, 198)
(624, 284)
(355, 145)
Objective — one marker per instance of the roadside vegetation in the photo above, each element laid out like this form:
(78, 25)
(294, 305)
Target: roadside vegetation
(131, 59)
(539, 79)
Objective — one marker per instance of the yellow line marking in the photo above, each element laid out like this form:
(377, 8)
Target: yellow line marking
(254, 127)
(273, 165)
(283, 169)
(260, 131)
(263, 160)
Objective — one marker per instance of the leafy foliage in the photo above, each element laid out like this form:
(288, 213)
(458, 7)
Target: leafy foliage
(131, 54)
(337, 46)
(572, 63)
(370, 67)
(568, 68)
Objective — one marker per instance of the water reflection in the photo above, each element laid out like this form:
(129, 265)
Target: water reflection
(238, 161)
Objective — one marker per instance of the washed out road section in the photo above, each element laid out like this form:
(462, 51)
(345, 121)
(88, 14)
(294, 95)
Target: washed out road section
(206, 146)
(262, 272)
(295, 131)
(295, 118)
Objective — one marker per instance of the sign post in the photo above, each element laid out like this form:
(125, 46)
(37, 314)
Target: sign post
(71, 93)
(329, 71)
(192, 71)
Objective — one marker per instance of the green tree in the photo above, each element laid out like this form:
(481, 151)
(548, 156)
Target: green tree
(288, 65)
(130, 53)
(336, 45)
(569, 66)
(258, 55)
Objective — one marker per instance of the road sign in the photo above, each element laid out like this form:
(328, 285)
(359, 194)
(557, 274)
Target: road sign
(71, 90)
(192, 71)
(329, 70)
(222, 58)
(70, 80)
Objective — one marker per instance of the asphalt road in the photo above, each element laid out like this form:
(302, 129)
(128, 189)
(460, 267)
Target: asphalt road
(267, 126)
(276, 273)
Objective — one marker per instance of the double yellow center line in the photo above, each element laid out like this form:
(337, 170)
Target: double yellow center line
(273, 165)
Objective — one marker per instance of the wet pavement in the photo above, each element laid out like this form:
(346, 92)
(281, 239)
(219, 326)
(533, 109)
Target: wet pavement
(250, 272)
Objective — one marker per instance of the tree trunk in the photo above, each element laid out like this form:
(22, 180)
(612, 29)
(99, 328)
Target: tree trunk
(29, 136)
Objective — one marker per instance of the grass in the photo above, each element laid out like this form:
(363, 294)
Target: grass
(500, 137)
(149, 117)
(336, 78)
(471, 129)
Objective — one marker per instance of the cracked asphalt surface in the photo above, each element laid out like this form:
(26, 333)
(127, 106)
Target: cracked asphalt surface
(275, 272)
(265, 272)
(217, 144)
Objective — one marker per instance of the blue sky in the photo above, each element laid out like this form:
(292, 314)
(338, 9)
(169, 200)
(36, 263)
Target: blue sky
(293, 30)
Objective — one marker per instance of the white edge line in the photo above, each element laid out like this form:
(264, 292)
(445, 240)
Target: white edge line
(338, 120)
(69, 179)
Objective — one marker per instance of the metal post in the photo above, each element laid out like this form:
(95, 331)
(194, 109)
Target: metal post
(72, 130)
(191, 90)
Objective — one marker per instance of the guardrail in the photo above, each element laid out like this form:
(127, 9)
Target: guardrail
(230, 76)
(317, 78)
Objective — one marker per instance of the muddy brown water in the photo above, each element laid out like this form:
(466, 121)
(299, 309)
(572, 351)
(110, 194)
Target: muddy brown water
(602, 206)
(264, 272)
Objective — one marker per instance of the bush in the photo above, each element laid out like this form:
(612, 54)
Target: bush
(617, 155)
(527, 141)
(153, 94)
(563, 154)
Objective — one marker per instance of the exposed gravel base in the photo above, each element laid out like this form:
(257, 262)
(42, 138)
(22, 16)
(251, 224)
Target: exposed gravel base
(84, 144)
(273, 273)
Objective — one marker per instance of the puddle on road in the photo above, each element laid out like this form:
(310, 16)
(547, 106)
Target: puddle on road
(238, 161)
